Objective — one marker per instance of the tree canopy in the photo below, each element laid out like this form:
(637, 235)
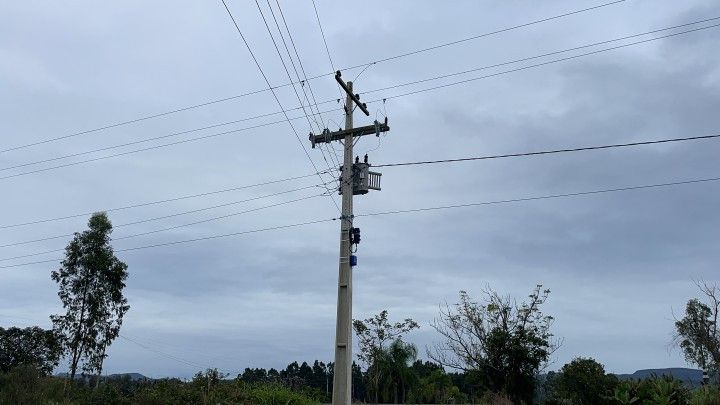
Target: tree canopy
(29, 346)
(90, 282)
(504, 343)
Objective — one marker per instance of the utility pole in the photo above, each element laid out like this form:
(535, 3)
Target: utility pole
(355, 179)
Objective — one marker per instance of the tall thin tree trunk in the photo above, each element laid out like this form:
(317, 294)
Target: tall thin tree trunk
(76, 339)
(100, 367)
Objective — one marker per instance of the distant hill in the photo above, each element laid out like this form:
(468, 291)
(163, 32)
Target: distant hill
(133, 376)
(689, 376)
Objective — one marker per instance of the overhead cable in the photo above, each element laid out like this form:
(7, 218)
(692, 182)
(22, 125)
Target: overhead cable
(220, 100)
(402, 211)
(553, 151)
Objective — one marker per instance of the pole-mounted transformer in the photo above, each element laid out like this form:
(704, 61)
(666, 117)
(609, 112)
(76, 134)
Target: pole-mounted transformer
(363, 180)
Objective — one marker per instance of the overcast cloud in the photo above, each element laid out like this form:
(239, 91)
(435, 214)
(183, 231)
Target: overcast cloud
(618, 264)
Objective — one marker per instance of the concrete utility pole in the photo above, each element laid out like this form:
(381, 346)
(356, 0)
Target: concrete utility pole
(342, 379)
(355, 179)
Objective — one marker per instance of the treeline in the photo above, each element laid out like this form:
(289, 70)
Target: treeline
(582, 381)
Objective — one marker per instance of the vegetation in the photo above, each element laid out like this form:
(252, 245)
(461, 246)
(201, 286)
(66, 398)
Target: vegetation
(32, 346)
(386, 356)
(582, 381)
(90, 281)
(502, 343)
(697, 332)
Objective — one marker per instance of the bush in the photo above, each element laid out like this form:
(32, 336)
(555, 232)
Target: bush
(705, 396)
(655, 390)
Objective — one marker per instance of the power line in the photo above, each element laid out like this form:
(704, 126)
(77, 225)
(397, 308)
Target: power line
(142, 221)
(302, 145)
(327, 50)
(171, 135)
(207, 103)
(475, 158)
(328, 101)
(540, 64)
(287, 72)
(170, 228)
(442, 45)
(167, 200)
(371, 101)
(132, 340)
(444, 76)
(544, 197)
(305, 81)
(273, 228)
(164, 145)
(169, 356)
(548, 152)
(414, 210)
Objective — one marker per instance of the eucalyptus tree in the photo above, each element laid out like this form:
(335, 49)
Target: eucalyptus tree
(697, 333)
(90, 282)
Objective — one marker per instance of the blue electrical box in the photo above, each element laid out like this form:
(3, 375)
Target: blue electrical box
(353, 260)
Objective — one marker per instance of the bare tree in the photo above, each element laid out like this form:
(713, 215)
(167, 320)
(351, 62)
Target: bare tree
(506, 342)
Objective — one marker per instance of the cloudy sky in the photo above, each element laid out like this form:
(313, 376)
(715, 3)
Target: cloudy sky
(618, 264)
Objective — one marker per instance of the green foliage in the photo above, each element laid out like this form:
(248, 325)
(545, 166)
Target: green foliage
(276, 394)
(583, 381)
(706, 396)
(387, 369)
(90, 282)
(656, 390)
(391, 367)
(31, 346)
(27, 385)
(697, 332)
(375, 332)
(436, 388)
(504, 343)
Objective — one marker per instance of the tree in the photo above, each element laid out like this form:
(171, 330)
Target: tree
(374, 334)
(91, 281)
(503, 342)
(697, 332)
(392, 364)
(583, 381)
(30, 346)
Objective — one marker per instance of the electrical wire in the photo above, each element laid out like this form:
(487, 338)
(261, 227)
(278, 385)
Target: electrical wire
(154, 231)
(271, 88)
(297, 74)
(171, 135)
(544, 197)
(305, 81)
(371, 101)
(542, 64)
(178, 242)
(143, 221)
(444, 44)
(302, 68)
(549, 152)
(402, 211)
(129, 339)
(552, 53)
(167, 200)
(474, 158)
(169, 356)
(302, 145)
